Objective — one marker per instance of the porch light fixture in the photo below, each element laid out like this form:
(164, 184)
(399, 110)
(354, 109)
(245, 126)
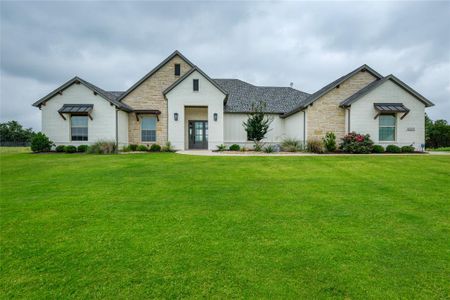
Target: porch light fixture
(215, 117)
(175, 116)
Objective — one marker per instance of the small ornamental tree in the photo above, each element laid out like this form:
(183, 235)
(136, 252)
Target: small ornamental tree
(258, 123)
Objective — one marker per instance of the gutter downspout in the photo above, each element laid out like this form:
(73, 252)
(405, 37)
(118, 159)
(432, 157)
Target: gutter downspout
(348, 121)
(117, 130)
(304, 128)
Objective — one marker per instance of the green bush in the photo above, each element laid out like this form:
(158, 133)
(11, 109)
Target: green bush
(393, 149)
(133, 147)
(168, 147)
(315, 146)
(291, 145)
(330, 141)
(378, 149)
(103, 147)
(258, 146)
(155, 148)
(357, 143)
(269, 149)
(41, 143)
(60, 148)
(70, 149)
(235, 147)
(126, 149)
(221, 147)
(408, 149)
(82, 148)
(142, 148)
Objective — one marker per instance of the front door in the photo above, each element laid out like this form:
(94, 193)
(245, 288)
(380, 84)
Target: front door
(198, 134)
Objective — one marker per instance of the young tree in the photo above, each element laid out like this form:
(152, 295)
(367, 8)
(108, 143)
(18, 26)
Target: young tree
(258, 123)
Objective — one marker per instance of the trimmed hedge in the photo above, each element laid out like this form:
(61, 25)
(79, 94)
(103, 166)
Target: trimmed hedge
(70, 149)
(60, 148)
(82, 148)
(378, 149)
(393, 149)
(142, 148)
(133, 147)
(155, 148)
(41, 143)
(235, 147)
(408, 149)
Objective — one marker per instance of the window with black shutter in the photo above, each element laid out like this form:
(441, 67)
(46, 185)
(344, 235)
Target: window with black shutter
(195, 85)
(177, 69)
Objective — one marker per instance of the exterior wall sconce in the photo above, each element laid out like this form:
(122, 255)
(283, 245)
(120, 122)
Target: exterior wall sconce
(175, 116)
(215, 117)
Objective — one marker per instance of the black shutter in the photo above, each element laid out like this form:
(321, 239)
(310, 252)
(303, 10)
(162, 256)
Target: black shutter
(177, 69)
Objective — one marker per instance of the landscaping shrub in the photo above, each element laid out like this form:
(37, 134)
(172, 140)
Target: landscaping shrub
(243, 149)
(103, 147)
(221, 147)
(133, 147)
(168, 147)
(234, 147)
(330, 141)
(155, 148)
(269, 149)
(126, 149)
(142, 148)
(393, 149)
(315, 146)
(258, 146)
(70, 149)
(41, 143)
(60, 148)
(408, 149)
(378, 149)
(82, 148)
(357, 143)
(291, 145)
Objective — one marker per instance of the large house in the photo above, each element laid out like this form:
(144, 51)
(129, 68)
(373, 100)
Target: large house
(178, 102)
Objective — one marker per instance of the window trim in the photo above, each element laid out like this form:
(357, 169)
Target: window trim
(155, 130)
(194, 81)
(380, 126)
(87, 128)
(177, 68)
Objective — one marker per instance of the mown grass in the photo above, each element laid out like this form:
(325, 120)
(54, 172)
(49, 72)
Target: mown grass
(175, 226)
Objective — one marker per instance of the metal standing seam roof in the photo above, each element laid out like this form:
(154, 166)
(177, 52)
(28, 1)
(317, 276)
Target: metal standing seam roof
(76, 108)
(390, 107)
(242, 95)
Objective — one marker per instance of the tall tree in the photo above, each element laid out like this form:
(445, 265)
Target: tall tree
(258, 123)
(12, 132)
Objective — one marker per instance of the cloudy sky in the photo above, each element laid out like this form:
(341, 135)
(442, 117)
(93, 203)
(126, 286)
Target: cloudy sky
(113, 44)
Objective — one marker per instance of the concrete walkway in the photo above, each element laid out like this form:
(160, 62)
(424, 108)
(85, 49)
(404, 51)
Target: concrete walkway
(252, 153)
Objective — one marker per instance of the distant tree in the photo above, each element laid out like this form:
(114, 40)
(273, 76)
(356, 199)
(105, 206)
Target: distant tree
(437, 133)
(13, 133)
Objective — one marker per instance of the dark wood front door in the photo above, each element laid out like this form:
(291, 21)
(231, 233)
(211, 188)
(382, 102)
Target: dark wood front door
(198, 134)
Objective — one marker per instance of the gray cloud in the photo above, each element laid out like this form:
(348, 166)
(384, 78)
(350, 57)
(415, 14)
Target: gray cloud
(43, 44)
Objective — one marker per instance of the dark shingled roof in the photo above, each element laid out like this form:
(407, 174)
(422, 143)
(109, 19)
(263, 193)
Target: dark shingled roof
(241, 96)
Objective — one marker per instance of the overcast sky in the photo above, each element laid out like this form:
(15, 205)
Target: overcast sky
(113, 44)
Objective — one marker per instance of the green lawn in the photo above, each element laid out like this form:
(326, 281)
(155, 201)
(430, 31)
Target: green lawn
(175, 226)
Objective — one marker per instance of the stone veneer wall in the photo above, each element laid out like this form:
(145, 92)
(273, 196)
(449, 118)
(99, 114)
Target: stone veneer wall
(326, 115)
(149, 96)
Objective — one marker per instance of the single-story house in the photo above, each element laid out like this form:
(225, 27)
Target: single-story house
(178, 102)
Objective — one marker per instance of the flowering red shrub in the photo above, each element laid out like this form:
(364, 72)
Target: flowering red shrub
(357, 143)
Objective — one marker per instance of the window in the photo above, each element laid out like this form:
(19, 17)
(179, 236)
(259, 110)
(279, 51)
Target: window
(177, 69)
(387, 128)
(148, 129)
(195, 82)
(79, 128)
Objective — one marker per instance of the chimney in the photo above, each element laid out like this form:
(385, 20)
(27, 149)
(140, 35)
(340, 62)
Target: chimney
(291, 84)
